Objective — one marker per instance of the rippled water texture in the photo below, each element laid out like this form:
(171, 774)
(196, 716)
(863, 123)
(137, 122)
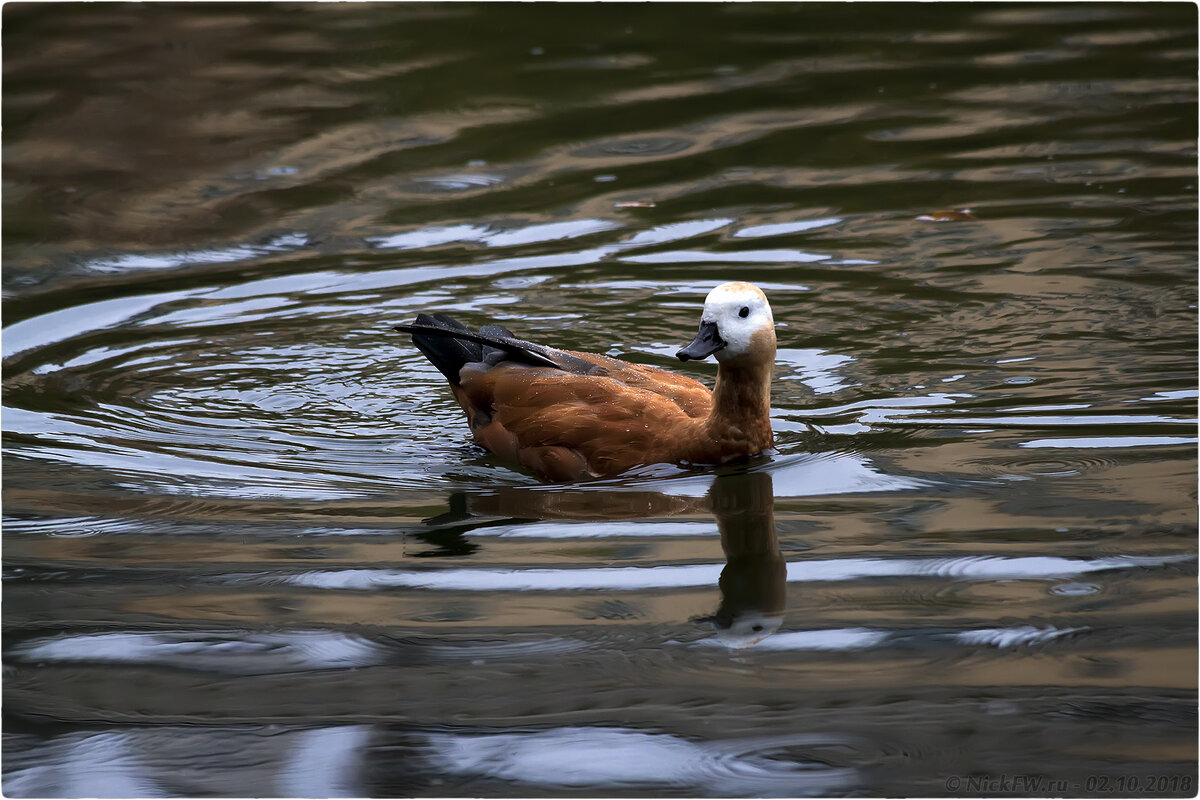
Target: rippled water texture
(250, 550)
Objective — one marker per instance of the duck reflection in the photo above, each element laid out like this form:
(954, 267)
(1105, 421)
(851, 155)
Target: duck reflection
(753, 582)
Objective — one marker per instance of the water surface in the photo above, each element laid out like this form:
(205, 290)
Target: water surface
(250, 549)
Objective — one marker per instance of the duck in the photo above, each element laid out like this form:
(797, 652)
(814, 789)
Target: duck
(569, 416)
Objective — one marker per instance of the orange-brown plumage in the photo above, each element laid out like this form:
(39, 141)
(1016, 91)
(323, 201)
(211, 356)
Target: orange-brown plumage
(570, 415)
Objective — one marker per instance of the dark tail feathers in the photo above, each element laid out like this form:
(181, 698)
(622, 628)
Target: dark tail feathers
(445, 351)
(448, 344)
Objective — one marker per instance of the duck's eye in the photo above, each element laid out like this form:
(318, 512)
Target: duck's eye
(745, 312)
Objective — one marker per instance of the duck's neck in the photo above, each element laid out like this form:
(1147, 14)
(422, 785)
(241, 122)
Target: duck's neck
(742, 401)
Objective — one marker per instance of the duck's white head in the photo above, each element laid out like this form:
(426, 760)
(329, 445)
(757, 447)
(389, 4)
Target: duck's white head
(736, 322)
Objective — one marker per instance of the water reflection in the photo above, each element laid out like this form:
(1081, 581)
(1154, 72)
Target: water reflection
(182, 761)
(753, 582)
(230, 563)
(611, 758)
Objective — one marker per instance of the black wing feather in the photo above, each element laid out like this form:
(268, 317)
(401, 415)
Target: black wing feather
(448, 344)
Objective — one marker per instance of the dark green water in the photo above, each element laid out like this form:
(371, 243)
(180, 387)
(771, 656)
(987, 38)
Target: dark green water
(249, 549)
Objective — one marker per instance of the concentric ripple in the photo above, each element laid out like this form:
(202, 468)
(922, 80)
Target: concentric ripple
(616, 757)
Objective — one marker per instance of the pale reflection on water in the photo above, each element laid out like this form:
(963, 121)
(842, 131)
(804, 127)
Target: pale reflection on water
(614, 757)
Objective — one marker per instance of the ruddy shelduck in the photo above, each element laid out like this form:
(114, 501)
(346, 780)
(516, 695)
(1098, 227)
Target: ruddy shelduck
(566, 416)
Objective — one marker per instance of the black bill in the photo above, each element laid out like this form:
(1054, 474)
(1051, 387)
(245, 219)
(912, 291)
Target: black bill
(707, 342)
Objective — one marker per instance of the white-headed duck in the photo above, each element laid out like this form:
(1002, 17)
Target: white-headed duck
(565, 415)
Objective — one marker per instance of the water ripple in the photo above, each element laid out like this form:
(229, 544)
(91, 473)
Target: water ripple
(1091, 442)
(988, 568)
(848, 639)
(641, 147)
(218, 651)
(620, 757)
